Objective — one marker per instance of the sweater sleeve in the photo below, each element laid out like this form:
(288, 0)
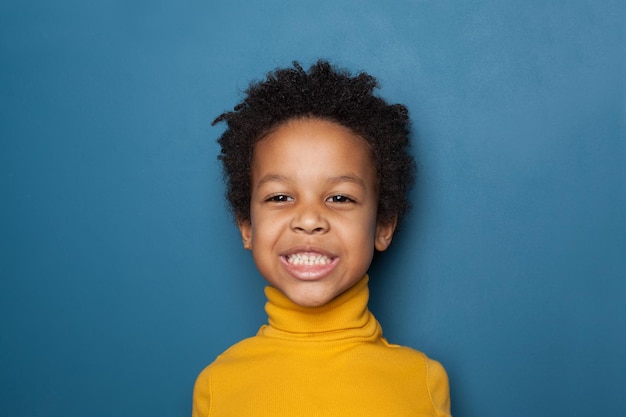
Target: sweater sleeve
(438, 388)
(201, 395)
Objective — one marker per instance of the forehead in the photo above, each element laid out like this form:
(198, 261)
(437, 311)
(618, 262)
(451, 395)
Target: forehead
(318, 145)
(315, 138)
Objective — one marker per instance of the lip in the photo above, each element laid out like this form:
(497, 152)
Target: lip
(309, 272)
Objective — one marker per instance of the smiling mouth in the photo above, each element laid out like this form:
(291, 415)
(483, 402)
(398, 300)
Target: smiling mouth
(308, 259)
(309, 265)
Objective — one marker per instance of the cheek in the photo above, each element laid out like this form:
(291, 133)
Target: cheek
(265, 227)
(362, 229)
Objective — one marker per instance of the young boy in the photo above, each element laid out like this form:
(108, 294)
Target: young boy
(318, 171)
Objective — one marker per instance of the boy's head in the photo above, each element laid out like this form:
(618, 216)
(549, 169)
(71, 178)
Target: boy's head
(318, 172)
(327, 93)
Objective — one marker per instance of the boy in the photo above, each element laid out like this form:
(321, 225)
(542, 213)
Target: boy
(317, 172)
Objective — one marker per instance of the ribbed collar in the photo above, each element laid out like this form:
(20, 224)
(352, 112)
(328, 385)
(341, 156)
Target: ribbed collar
(345, 317)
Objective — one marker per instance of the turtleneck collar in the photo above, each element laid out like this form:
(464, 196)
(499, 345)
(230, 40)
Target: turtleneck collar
(345, 317)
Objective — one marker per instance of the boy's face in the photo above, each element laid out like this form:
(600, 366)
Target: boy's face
(312, 228)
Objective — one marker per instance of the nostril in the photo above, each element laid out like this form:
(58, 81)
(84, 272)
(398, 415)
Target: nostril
(309, 220)
(304, 229)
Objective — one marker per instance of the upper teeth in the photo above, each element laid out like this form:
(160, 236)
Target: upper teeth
(299, 259)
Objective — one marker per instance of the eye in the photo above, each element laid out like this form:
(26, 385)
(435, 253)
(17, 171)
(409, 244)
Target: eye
(279, 198)
(339, 199)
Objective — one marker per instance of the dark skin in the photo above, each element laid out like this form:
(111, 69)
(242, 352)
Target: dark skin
(327, 93)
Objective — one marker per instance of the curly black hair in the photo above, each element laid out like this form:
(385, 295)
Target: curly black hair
(326, 93)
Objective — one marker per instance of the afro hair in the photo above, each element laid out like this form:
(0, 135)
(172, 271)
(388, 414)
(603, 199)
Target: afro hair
(326, 93)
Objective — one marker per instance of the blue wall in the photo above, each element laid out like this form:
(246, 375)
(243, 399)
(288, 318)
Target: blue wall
(122, 276)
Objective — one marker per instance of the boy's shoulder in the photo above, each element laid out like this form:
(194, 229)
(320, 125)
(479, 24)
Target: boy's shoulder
(258, 350)
(262, 365)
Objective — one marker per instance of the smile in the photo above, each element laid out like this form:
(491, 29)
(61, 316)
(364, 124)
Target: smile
(309, 265)
(304, 259)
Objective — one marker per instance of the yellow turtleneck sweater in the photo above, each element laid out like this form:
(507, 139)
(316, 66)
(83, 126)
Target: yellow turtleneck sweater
(328, 361)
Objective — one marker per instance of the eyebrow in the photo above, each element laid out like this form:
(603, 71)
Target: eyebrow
(271, 178)
(347, 178)
(332, 180)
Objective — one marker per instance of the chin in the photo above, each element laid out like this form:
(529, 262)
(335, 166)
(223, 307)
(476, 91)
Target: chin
(310, 300)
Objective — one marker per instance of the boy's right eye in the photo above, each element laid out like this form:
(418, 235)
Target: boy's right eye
(279, 198)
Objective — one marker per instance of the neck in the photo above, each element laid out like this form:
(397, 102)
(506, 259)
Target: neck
(344, 317)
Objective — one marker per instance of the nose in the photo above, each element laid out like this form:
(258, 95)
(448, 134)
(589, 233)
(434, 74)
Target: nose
(309, 219)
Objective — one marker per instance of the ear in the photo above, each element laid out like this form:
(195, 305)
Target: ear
(384, 234)
(245, 228)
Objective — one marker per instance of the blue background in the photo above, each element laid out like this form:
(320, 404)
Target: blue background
(122, 275)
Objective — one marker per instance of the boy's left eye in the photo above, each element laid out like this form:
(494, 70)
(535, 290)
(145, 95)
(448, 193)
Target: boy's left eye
(340, 199)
